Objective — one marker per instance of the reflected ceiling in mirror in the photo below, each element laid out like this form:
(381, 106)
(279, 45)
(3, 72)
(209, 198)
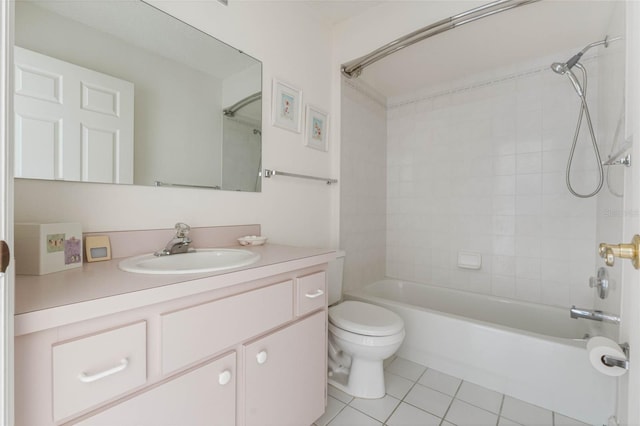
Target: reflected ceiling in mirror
(120, 92)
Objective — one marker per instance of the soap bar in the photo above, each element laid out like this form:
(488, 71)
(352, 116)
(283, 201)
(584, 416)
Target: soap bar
(44, 248)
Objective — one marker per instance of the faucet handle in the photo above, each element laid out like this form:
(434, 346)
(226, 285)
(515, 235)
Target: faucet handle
(182, 230)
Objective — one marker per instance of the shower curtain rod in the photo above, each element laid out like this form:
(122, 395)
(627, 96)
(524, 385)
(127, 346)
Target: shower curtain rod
(231, 111)
(354, 68)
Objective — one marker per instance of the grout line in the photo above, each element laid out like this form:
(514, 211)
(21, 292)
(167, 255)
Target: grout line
(339, 411)
(500, 409)
(451, 403)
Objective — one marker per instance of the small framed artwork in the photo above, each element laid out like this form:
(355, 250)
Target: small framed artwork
(287, 106)
(316, 128)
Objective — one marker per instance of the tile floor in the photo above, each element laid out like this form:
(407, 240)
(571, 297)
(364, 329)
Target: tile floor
(417, 395)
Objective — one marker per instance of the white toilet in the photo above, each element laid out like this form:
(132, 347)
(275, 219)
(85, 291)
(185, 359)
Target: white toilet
(361, 337)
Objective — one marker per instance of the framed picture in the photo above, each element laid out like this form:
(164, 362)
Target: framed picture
(316, 128)
(287, 106)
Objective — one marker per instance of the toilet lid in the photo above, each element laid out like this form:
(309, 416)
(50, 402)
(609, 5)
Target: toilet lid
(366, 319)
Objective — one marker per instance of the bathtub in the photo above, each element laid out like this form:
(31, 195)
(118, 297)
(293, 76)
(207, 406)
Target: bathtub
(532, 352)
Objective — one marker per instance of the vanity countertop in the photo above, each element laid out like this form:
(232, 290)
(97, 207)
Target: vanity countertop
(101, 288)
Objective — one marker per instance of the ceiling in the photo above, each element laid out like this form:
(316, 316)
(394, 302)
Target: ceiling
(541, 29)
(331, 12)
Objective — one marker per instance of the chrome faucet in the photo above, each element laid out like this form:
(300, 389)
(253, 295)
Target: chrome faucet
(594, 315)
(179, 243)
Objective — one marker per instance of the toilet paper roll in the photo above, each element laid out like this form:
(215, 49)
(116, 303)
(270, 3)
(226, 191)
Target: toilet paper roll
(599, 346)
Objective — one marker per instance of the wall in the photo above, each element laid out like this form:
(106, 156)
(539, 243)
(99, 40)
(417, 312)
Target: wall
(479, 166)
(241, 148)
(291, 211)
(363, 195)
(361, 116)
(611, 137)
(530, 219)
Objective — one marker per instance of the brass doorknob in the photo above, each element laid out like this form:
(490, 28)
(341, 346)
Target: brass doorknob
(624, 251)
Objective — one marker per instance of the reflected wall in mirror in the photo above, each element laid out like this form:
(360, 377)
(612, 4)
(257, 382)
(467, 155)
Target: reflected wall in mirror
(117, 91)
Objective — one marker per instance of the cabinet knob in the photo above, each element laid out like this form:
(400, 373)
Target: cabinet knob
(261, 357)
(224, 377)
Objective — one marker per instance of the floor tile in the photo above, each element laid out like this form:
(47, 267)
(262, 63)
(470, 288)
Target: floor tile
(480, 397)
(407, 369)
(352, 417)
(339, 395)
(397, 386)
(440, 381)
(429, 400)
(560, 420)
(333, 408)
(525, 413)
(379, 409)
(407, 415)
(463, 414)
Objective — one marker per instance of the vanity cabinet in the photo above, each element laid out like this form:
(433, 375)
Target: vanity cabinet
(282, 384)
(203, 396)
(89, 370)
(252, 353)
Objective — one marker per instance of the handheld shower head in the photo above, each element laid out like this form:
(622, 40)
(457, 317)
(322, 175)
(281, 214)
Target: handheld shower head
(574, 80)
(562, 67)
(559, 68)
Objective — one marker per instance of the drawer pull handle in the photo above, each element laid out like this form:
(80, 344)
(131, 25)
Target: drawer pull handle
(314, 295)
(261, 357)
(89, 378)
(224, 377)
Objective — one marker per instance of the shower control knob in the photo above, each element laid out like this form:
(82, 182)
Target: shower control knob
(601, 283)
(624, 251)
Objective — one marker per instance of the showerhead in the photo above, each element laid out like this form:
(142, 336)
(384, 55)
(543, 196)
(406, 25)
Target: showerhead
(559, 68)
(562, 68)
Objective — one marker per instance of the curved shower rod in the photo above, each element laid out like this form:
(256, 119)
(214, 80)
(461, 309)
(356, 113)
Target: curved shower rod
(231, 111)
(354, 68)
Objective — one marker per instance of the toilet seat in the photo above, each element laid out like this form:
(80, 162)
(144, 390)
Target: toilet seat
(369, 341)
(365, 319)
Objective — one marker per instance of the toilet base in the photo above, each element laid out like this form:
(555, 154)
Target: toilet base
(364, 379)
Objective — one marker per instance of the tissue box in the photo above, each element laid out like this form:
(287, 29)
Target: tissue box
(43, 248)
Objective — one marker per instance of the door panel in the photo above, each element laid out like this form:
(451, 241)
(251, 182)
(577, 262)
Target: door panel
(285, 375)
(72, 123)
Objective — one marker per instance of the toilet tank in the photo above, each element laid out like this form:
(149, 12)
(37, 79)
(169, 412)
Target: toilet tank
(335, 277)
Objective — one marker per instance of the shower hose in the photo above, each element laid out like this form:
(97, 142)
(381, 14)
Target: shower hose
(584, 111)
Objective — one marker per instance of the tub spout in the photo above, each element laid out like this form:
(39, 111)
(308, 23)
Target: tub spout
(594, 315)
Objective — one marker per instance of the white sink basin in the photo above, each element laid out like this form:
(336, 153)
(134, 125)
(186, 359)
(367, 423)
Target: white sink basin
(200, 260)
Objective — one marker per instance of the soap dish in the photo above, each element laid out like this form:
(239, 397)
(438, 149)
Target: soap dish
(252, 240)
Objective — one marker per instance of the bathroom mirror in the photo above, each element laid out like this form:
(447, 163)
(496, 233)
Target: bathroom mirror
(117, 91)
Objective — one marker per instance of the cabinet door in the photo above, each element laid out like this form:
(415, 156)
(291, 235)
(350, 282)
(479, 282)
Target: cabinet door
(204, 396)
(285, 375)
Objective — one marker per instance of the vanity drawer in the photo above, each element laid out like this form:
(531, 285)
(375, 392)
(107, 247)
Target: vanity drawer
(211, 327)
(90, 370)
(311, 292)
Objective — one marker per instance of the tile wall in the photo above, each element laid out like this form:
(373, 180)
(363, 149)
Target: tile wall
(478, 165)
(363, 182)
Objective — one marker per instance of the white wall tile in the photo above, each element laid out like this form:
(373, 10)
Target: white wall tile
(483, 170)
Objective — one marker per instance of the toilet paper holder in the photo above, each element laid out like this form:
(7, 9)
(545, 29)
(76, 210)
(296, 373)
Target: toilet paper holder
(611, 361)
